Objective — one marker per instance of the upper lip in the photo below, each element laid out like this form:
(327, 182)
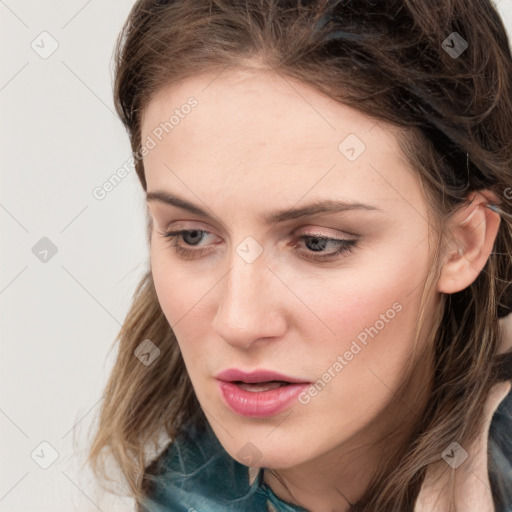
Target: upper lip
(234, 374)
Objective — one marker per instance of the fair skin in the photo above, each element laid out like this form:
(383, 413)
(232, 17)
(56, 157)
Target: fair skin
(254, 144)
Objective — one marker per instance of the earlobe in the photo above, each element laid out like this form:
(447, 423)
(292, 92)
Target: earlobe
(473, 231)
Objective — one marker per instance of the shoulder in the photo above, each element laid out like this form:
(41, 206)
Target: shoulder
(500, 430)
(500, 453)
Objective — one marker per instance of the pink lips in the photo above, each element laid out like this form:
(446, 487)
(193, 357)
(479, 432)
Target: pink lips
(258, 403)
(233, 374)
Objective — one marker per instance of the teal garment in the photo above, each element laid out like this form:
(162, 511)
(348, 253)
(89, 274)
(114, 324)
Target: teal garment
(196, 474)
(500, 455)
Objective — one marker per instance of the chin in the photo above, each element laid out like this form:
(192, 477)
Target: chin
(260, 452)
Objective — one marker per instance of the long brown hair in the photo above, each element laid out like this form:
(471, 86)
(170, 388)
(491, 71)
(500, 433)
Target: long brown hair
(392, 60)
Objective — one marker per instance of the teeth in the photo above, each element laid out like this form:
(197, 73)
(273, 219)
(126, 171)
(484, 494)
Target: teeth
(261, 386)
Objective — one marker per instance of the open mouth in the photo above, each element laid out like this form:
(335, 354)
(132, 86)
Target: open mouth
(259, 399)
(261, 386)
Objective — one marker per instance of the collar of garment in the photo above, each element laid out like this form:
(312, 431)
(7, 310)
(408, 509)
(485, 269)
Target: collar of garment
(469, 467)
(471, 478)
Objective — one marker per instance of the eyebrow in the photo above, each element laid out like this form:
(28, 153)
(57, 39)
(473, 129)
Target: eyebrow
(318, 207)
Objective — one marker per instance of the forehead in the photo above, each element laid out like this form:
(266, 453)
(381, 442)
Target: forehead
(253, 129)
(265, 103)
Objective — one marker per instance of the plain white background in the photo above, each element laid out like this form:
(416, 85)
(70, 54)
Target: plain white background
(70, 262)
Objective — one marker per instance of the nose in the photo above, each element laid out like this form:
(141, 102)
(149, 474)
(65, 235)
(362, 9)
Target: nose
(249, 304)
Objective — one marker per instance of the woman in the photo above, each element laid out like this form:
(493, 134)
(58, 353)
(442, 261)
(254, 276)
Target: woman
(328, 188)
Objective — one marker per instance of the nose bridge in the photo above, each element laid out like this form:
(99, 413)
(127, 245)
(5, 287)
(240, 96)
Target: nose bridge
(246, 309)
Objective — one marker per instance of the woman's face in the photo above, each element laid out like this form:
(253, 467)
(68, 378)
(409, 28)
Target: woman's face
(252, 288)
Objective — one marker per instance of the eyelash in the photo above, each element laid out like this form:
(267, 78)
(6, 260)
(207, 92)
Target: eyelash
(188, 254)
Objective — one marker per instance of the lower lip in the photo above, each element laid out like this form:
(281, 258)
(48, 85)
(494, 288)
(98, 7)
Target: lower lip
(259, 403)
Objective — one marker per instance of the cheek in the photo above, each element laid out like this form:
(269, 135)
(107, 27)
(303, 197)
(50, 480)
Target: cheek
(182, 296)
(371, 318)
(360, 368)
(173, 289)
(175, 301)
(165, 279)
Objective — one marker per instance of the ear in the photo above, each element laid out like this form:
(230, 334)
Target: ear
(472, 232)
